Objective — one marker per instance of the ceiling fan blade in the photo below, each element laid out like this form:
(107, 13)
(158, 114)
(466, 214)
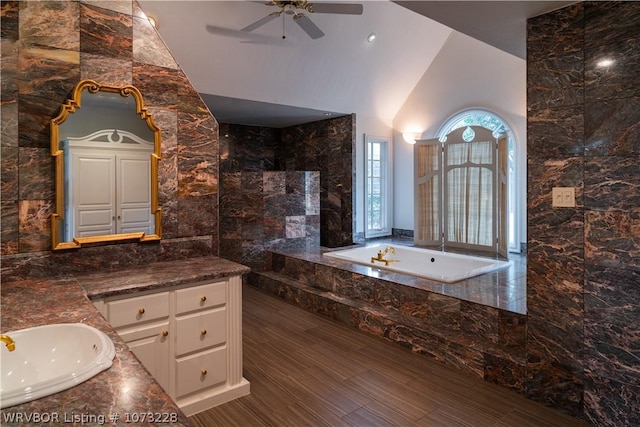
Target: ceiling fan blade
(343, 8)
(308, 26)
(260, 22)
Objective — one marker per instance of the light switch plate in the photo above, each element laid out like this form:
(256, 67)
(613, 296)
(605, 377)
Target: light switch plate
(563, 197)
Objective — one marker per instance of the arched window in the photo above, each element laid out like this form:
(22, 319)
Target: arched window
(490, 120)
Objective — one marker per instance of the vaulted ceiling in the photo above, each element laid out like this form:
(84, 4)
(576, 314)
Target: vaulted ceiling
(277, 75)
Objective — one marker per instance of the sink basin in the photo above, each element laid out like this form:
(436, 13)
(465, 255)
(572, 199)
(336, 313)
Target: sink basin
(51, 358)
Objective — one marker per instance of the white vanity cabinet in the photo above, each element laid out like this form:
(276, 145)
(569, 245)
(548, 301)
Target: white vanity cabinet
(189, 338)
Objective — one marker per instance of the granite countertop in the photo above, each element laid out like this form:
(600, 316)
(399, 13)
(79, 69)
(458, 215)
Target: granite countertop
(121, 394)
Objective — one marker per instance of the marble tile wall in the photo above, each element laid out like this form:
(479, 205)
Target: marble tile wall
(584, 262)
(327, 146)
(267, 210)
(47, 47)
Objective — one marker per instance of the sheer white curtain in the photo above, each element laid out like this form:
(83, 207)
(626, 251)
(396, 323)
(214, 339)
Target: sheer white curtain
(469, 192)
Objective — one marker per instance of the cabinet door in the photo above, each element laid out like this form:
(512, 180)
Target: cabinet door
(151, 346)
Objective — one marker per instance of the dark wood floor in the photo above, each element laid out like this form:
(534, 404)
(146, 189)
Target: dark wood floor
(306, 370)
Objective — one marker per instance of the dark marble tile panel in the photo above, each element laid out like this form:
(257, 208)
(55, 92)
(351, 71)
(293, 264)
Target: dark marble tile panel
(612, 288)
(444, 313)
(231, 205)
(106, 32)
(252, 228)
(230, 227)
(612, 343)
(312, 228)
(107, 70)
(556, 34)
(609, 403)
(160, 87)
(46, 78)
(554, 384)
(555, 133)
(9, 68)
(9, 23)
(252, 205)
(505, 373)
(612, 238)
(610, 22)
(323, 277)
(300, 270)
(230, 183)
(50, 23)
(253, 254)
(275, 227)
(169, 217)
(555, 82)
(9, 233)
(148, 46)
(612, 127)
(252, 182)
(295, 204)
(618, 80)
(512, 331)
(480, 321)
(197, 215)
(189, 101)
(295, 182)
(231, 249)
(275, 205)
(184, 248)
(9, 173)
(274, 182)
(34, 225)
(9, 124)
(197, 155)
(37, 174)
(611, 182)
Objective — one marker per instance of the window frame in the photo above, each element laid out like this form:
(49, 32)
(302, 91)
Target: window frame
(386, 186)
(513, 209)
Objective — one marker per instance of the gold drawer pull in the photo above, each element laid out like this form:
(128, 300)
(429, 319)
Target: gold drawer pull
(165, 333)
(203, 372)
(141, 310)
(203, 298)
(203, 332)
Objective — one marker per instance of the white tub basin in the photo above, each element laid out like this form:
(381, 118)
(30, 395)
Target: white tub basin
(51, 358)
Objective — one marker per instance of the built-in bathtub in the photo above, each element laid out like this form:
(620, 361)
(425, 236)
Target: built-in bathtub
(427, 263)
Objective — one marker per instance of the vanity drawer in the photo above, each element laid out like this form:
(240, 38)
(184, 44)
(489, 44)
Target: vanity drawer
(137, 310)
(201, 370)
(200, 331)
(200, 297)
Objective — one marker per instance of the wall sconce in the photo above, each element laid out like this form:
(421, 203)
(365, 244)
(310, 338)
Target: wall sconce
(153, 20)
(410, 137)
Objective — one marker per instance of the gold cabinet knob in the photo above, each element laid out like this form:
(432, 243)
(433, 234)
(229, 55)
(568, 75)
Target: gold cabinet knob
(203, 298)
(203, 332)
(141, 310)
(203, 372)
(165, 333)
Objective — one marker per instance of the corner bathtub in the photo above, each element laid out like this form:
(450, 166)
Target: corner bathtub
(430, 264)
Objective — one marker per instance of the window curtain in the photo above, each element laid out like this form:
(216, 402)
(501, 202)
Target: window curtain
(469, 193)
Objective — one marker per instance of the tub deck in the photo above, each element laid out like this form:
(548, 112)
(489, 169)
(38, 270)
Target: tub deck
(477, 325)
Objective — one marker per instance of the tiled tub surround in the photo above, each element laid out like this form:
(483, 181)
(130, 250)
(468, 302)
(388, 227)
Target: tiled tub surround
(477, 325)
(126, 387)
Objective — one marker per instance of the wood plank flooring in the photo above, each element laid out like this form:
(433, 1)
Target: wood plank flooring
(306, 370)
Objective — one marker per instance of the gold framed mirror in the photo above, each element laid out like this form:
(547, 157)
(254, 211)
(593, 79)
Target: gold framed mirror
(106, 166)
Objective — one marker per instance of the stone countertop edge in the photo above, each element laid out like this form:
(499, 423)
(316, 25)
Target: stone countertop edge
(126, 392)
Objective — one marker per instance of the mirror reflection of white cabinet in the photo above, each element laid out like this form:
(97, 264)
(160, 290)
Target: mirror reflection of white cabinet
(108, 184)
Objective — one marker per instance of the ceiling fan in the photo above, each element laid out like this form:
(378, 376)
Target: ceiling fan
(295, 7)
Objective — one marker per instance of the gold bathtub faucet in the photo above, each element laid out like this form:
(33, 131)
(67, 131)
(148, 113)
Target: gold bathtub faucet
(8, 341)
(381, 254)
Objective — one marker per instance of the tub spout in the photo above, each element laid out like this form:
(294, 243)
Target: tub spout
(8, 341)
(381, 254)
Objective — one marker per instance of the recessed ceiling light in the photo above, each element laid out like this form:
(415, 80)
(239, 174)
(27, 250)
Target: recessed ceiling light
(371, 37)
